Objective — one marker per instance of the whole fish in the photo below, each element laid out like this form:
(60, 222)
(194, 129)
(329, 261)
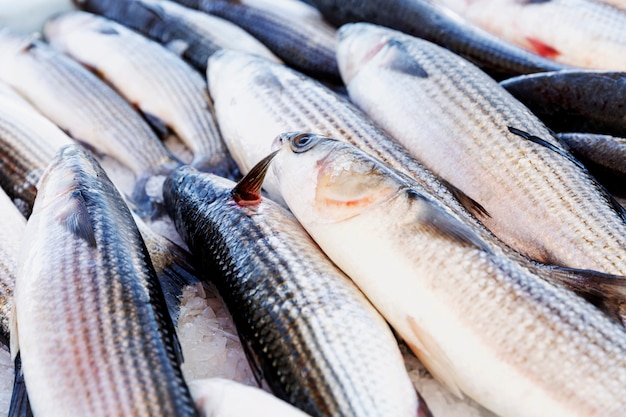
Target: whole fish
(317, 341)
(467, 129)
(603, 155)
(428, 20)
(479, 323)
(574, 100)
(90, 321)
(598, 43)
(167, 90)
(294, 31)
(85, 107)
(192, 34)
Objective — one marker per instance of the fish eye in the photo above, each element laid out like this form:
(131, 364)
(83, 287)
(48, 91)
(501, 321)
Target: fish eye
(302, 142)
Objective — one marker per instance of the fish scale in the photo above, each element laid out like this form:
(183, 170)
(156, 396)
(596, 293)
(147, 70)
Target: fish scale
(474, 318)
(319, 344)
(553, 210)
(92, 323)
(158, 82)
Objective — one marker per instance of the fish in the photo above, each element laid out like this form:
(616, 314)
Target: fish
(463, 126)
(428, 20)
(600, 43)
(603, 155)
(85, 107)
(189, 33)
(292, 30)
(89, 317)
(315, 339)
(169, 92)
(473, 318)
(588, 101)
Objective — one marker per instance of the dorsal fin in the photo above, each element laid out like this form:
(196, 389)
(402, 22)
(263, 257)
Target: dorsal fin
(546, 144)
(248, 190)
(466, 201)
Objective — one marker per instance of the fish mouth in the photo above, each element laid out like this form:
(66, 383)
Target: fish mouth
(358, 44)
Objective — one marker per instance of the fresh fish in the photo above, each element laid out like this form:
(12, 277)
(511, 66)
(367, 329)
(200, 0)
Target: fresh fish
(12, 225)
(603, 155)
(317, 341)
(598, 43)
(30, 15)
(482, 325)
(428, 20)
(292, 30)
(27, 142)
(85, 107)
(467, 129)
(90, 321)
(218, 397)
(167, 90)
(192, 34)
(575, 100)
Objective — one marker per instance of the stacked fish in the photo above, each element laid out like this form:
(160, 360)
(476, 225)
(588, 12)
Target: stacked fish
(407, 195)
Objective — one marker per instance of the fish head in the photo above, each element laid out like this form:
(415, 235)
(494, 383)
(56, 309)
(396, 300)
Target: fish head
(324, 180)
(363, 45)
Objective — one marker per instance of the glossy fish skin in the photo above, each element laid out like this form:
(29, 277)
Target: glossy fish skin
(599, 43)
(166, 89)
(317, 341)
(574, 100)
(603, 155)
(467, 129)
(84, 106)
(474, 319)
(427, 20)
(12, 225)
(91, 325)
(194, 35)
(27, 142)
(292, 30)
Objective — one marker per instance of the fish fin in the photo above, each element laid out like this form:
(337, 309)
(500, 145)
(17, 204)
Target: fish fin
(20, 404)
(248, 191)
(177, 46)
(405, 63)
(432, 357)
(442, 222)
(157, 124)
(77, 220)
(543, 49)
(108, 30)
(31, 42)
(542, 142)
(466, 201)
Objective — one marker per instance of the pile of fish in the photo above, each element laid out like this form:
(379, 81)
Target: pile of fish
(368, 187)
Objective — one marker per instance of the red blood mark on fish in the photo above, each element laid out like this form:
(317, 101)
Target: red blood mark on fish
(543, 49)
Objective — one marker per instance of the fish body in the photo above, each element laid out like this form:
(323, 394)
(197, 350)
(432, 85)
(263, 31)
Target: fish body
(294, 31)
(574, 100)
(90, 322)
(192, 34)
(600, 43)
(159, 83)
(478, 322)
(428, 20)
(84, 106)
(317, 341)
(468, 130)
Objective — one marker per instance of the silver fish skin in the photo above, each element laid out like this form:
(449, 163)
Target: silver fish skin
(467, 129)
(318, 342)
(27, 143)
(85, 107)
(479, 323)
(90, 322)
(600, 43)
(166, 89)
(192, 34)
(428, 20)
(294, 31)
(12, 225)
